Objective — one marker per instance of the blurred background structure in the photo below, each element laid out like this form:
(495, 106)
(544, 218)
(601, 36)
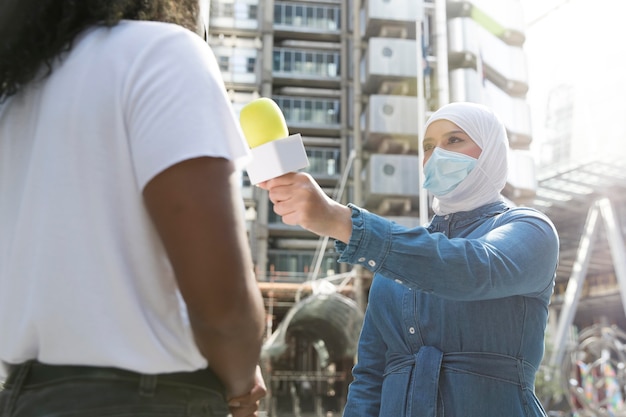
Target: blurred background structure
(358, 79)
(575, 76)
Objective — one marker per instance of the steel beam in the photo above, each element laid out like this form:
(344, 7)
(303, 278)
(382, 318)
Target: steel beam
(575, 285)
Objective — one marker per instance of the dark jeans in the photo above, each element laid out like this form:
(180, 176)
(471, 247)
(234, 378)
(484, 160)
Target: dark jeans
(37, 390)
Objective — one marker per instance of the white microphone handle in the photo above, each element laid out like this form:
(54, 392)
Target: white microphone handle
(276, 158)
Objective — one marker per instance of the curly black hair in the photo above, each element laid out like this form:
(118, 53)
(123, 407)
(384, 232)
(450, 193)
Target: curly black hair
(33, 33)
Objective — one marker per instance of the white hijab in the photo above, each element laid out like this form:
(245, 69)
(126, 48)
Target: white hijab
(484, 184)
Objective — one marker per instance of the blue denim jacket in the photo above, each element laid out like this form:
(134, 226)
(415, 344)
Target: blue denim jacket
(456, 315)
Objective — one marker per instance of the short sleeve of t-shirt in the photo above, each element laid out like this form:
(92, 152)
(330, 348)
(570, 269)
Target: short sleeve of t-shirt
(176, 107)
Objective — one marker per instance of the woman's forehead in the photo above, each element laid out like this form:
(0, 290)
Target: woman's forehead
(443, 128)
(444, 124)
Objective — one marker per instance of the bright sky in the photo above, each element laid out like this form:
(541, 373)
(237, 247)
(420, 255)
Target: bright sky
(580, 42)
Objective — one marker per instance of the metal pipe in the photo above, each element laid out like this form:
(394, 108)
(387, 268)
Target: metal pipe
(421, 113)
(441, 36)
(358, 144)
(261, 197)
(616, 245)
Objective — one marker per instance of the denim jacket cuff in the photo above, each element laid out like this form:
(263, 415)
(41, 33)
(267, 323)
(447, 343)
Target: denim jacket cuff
(346, 251)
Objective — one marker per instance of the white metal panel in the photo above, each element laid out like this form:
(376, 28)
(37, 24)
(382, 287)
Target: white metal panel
(391, 57)
(389, 176)
(504, 18)
(467, 85)
(392, 115)
(514, 112)
(465, 36)
(394, 10)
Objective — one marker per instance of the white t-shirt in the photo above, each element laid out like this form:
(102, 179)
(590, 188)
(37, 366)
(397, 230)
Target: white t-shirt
(84, 278)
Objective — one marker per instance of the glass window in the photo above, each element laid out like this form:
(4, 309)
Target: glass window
(309, 16)
(323, 161)
(276, 62)
(329, 265)
(308, 111)
(288, 15)
(331, 167)
(253, 11)
(319, 113)
(228, 10)
(224, 63)
(308, 63)
(320, 17)
(287, 61)
(296, 110)
(297, 61)
(251, 65)
(320, 67)
(334, 19)
(285, 105)
(278, 14)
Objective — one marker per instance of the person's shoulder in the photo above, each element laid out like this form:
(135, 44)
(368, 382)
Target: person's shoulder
(136, 37)
(525, 212)
(150, 31)
(148, 43)
(149, 27)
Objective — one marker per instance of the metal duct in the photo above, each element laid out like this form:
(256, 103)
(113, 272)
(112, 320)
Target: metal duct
(332, 318)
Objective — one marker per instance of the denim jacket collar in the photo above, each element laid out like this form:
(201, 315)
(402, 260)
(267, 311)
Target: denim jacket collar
(465, 217)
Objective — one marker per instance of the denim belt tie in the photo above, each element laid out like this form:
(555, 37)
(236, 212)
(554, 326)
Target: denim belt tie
(428, 363)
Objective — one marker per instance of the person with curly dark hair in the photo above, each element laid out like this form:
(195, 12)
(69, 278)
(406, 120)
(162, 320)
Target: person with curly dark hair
(126, 281)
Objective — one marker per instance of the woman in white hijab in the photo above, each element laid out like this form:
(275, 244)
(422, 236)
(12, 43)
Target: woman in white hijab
(457, 310)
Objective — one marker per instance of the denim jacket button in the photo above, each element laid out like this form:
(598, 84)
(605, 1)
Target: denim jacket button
(399, 281)
(371, 263)
(361, 259)
(412, 330)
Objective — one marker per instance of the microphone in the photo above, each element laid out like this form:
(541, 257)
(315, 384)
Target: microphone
(274, 151)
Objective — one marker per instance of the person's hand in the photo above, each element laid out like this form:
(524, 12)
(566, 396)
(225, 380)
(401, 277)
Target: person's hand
(300, 201)
(247, 405)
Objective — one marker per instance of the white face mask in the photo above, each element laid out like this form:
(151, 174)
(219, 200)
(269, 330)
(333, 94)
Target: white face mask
(445, 170)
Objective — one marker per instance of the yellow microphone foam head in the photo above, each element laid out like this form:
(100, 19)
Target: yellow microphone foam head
(262, 121)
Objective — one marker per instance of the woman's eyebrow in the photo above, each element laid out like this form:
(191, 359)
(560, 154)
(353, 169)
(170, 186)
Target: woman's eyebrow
(455, 132)
(447, 134)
